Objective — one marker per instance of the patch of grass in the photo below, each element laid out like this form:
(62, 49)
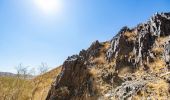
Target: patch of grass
(93, 71)
(14, 88)
(158, 50)
(99, 60)
(156, 90)
(160, 88)
(162, 40)
(42, 83)
(157, 65)
(131, 36)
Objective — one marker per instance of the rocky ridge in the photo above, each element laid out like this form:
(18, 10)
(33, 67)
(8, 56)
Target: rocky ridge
(132, 65)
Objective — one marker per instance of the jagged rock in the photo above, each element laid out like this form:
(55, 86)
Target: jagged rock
(160, 24)
(128, 89)
(146, 34)
(75, 77)
(167, 53)
(94, 49)
(126, 59)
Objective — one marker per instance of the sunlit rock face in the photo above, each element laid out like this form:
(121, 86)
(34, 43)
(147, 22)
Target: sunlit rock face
(139, 41)
(126, 67)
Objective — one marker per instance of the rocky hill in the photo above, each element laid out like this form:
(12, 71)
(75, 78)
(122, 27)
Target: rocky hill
(132, 65)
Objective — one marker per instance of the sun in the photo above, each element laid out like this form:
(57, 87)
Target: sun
(48, 6)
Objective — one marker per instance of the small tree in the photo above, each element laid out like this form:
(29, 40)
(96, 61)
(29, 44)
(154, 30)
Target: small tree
(43, 68)
(22, 71)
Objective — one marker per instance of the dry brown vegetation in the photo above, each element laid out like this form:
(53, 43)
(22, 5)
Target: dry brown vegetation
(157, 65)
(162, 40)
(158, 50)
(15, 88)
(43, 83)
(157, 90)
(131, 36)
(101, 58)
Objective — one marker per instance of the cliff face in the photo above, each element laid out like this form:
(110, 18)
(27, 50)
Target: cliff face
(132, 65)
(134, 47)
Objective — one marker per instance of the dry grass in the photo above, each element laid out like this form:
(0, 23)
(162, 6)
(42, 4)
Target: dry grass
(99, 60)
(43, 83)
(157, 65)
(158, 50)
(106, 45)
(94, 71)
(160, 88)
(157, 90)
(130, 35)
(125, 70)
(12, 88)
(162, 40)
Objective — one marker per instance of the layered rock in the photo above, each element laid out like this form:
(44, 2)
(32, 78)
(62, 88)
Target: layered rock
(132, 47)
(117, 69)
(74, 81)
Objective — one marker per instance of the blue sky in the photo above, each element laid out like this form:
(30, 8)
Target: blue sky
(30, 36)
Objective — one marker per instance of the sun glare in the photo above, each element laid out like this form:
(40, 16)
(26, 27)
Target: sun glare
(48, 6)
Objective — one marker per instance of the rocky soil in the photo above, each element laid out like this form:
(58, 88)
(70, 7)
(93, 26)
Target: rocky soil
(133, 65)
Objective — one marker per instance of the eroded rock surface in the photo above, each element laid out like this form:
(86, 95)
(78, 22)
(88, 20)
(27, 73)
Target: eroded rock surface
(122, 68)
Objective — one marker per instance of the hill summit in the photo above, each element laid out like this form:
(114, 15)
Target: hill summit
(134, 64)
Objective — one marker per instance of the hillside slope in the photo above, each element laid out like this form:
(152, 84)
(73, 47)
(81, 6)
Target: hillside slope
(132, 65)
(42, 83)
(18, 88)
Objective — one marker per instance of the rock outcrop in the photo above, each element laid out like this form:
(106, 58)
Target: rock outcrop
(133, 47)
(121, 68)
